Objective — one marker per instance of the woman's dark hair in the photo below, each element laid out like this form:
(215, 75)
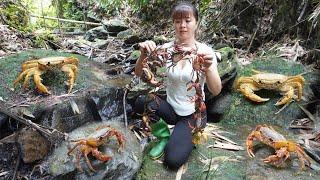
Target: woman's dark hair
(183, 9)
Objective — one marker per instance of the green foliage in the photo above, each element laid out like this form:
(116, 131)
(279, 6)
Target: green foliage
(203, 5)
(14, 15)
(137, 5)
(40, 40)
(72, 11)
(59, 5)
(111, 6)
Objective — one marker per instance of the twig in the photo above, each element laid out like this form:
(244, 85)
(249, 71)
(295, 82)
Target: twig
(124, 107)
(303, 10)
(53, 135)
(203, 156)
(255, 33)
(207, 176)
(283, 107)
(71, 94)
(237, 14)
(67, 20)
(17, 165)
(300, 127)
(310, 116)
(22, 102)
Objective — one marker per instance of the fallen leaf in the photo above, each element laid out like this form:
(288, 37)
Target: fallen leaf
(74, 107)
(181, 171)
(227, 146)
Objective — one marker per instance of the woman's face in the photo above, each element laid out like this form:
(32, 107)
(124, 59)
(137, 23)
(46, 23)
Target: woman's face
(185, 27)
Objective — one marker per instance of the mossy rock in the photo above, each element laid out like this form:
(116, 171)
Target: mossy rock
(10, 68)
(95, 94)
(240, 119)
(252, 113)
(228, 61)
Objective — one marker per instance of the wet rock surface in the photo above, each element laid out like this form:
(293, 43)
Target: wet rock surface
(33, 146)
(123, 165)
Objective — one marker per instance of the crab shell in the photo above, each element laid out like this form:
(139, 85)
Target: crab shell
(36, 68)
(270, 81)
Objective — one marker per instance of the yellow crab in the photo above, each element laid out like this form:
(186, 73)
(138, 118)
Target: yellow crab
(36, 68)
(271, 81)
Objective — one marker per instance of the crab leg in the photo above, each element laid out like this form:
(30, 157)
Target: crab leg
(287, 97)
(303, 157)
(86, 152)
(70, 70)
(21, 76)
(78, 156)
(299, 86)
(299, 79)
(281, 155)
(100, 156)
(249, 142)
(37, 80)
(29, 65)
(76, 145)
(248, 91)
(27, 78)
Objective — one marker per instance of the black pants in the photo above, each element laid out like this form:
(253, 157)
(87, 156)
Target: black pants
(180, 145)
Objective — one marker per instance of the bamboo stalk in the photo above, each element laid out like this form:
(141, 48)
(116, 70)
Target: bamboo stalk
(67, 20)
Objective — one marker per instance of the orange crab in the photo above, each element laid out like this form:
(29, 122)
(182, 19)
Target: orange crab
(36, 68)
(91, 144)
(267, 135)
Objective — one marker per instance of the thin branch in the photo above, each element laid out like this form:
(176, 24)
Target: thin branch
(17, 165)
(283, 107)
(67, 20)
(303, 10)
(53, 135)
(124, 107)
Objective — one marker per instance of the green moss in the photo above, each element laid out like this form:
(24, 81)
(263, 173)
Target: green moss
(221, 159)
(14, 15)
(227, 60)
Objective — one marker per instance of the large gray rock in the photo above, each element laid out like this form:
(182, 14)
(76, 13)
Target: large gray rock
(98, 32)
(114, 25)
(123, 165)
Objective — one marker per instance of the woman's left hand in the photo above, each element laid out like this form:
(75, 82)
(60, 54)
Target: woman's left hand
(209, 59)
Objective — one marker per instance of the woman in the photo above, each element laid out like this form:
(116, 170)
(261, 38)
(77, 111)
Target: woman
(178, 109)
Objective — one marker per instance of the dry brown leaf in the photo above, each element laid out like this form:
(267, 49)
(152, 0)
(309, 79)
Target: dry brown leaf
(74, 107)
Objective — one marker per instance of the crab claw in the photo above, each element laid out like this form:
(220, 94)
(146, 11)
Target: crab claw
(248, 91)
(250, 152)
(281, 156)
(287, 97)
(250, 145)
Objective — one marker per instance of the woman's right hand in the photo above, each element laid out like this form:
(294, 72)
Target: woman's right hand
(147, 47)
